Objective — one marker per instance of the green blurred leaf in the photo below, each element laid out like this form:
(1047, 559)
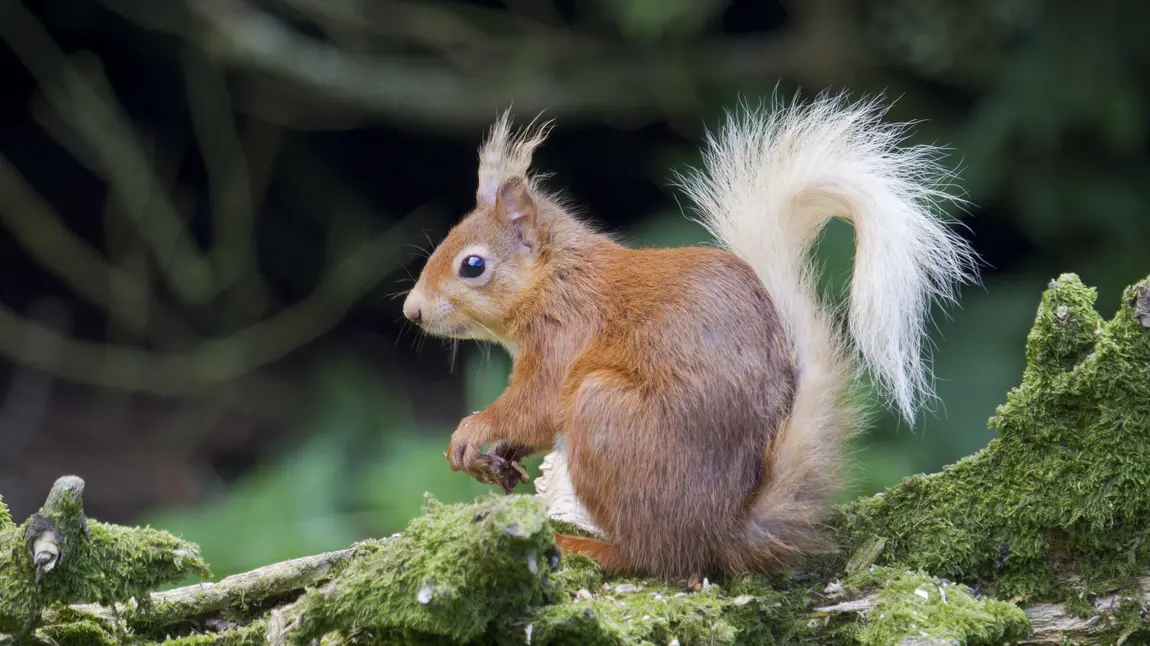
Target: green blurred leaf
(283, 510)
(646, 21)
(668, 229)
(486, 371)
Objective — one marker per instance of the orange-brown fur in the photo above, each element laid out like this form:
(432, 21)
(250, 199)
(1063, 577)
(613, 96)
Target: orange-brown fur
(696, 438)
(666, 370)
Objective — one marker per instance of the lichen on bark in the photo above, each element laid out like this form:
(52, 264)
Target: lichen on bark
(1047, 529)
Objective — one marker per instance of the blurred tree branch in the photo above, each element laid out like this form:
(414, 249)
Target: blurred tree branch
(455, 66)
(228, 161)
(448, 64)
(77, 90)
(49, 241)
(215, 361)
(160, 353)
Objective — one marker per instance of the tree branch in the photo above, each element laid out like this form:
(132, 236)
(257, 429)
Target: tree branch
(202, 599)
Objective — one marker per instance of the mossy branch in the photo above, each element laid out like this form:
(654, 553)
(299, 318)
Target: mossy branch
(1050, 623)
(1041, 537)
(1054, 621)
(255, 588)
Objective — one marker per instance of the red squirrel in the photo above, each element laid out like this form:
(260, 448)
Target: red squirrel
(701, 392)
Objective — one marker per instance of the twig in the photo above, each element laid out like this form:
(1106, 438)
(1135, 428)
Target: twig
(129, 252)
(248, 296)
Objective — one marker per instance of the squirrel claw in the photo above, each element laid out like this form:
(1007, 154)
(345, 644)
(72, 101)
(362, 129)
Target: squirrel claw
(501, 466)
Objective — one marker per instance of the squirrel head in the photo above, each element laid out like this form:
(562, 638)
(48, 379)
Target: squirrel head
(476, 276)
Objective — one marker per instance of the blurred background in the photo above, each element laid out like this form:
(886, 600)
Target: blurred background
(210, 210)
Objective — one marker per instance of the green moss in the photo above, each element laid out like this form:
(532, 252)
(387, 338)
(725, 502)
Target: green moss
(1078, 603)
(455, 571)
(564, 527)
(915, 605)
(1064, 489)
(651, 612)
(65, 508)
(71, 627)
(644, 616)
(578, 572)
(1131, 620)
(79, 633)
(116, 564)
(5, 516)
(94, 633)
(251, 635)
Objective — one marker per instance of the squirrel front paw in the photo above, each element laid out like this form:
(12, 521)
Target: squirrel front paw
(500, 466)
(466, 442)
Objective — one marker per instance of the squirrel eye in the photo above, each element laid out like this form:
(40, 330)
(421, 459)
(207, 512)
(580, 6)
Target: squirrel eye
(472, 267)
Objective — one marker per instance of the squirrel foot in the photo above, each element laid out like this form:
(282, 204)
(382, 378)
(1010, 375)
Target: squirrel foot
(602, 552)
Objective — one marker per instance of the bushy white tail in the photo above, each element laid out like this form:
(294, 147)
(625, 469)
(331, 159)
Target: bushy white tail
(773, 178)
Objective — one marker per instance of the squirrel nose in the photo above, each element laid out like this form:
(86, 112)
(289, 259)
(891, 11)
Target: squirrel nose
(413, 306)
(413, 309)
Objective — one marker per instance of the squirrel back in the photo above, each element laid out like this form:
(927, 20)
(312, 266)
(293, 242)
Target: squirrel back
(702, 393)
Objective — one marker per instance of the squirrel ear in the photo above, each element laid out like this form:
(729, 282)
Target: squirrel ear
(515, 207)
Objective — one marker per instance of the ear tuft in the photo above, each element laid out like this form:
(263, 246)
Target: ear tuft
(506, 154)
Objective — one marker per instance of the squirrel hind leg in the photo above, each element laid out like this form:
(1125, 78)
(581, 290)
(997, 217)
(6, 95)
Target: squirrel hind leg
(603, 553)
(609, 559)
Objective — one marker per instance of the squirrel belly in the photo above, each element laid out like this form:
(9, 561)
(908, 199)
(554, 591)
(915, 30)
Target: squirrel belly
(702, 393)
